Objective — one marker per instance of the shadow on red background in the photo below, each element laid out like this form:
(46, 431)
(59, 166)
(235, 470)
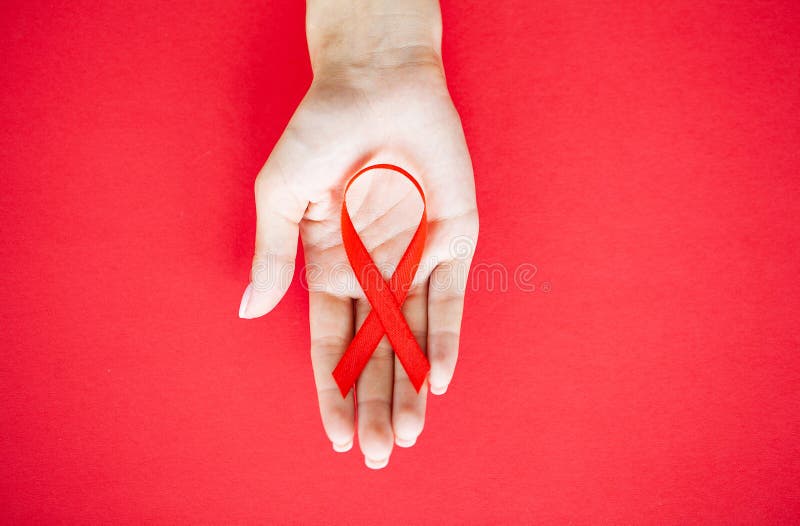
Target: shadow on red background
(642, 157)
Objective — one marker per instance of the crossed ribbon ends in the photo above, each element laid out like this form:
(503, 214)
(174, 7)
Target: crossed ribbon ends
(385, 297)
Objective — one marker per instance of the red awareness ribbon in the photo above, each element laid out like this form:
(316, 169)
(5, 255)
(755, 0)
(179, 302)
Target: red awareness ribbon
(386, 298)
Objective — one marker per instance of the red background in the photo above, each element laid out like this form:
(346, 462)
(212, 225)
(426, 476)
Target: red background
(643, 155)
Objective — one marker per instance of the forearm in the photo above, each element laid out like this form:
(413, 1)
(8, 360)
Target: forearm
(372, 34)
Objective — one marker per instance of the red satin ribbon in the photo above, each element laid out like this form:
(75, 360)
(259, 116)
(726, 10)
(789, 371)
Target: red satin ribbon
(386, 298)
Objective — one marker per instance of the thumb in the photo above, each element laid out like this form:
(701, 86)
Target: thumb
(279, 211)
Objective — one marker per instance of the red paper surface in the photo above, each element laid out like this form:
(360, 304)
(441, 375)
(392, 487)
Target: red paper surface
(642, 156)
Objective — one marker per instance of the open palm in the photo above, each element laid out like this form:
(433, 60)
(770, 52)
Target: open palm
(403, 117)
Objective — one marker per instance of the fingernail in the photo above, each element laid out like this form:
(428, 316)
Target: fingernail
(439, 390)
(376, 464)
(402, 442)
(245, 300)
(341, 448)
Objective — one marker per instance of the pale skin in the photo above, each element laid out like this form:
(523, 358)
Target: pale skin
(378, 96)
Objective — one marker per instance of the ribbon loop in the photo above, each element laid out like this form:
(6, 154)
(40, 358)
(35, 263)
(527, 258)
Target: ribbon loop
(385, 298)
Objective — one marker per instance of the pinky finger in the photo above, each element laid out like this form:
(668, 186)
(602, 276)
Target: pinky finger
(445, 309)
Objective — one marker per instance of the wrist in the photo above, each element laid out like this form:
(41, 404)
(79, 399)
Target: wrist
(373, 36)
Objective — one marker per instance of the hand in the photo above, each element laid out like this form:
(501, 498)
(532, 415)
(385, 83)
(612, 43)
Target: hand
(356, 113)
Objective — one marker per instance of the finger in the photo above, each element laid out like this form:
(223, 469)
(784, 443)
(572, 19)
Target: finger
(374, 399)
(445, 309)
(408, 406)
(279, 211)
(331, 320)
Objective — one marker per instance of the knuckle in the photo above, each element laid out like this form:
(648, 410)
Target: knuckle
(422, 337)
(383, 353)
(443, 348)
(332, 420)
